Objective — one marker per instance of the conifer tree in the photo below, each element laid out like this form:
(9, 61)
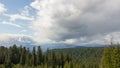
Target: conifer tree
(8, 63)
(53, 60)
(39, 56)
(33, 57)
(15, 55)
(111, 57)
(62, 60)
(28, 57)
(23, 58)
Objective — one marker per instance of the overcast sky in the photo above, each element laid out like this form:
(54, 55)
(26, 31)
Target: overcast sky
(61, 21)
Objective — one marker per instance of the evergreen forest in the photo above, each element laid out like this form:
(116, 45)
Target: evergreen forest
(86, 57)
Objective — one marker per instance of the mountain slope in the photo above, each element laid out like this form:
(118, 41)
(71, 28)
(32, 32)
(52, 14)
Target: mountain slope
(9, 40)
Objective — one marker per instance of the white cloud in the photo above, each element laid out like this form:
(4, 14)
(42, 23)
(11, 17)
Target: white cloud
(23, 15)
(14, 17)
(10, 24)
(23, 31)
(25, 11)
(107, 38)
(2, 8)
(71, 41)
(61, 20)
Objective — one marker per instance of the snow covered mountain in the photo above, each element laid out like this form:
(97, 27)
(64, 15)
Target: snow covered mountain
(9, 40)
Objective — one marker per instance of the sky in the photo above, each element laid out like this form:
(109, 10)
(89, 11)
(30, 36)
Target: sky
(61, 21)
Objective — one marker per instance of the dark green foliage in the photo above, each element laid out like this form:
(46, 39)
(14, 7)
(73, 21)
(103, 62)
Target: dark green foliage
(39, 56)
(22, 57)
(33, 59)
(14, 55)
(8, 63)
(3, 52)
(64, 58)
(87, 57)
(111, 57)
(28, 57)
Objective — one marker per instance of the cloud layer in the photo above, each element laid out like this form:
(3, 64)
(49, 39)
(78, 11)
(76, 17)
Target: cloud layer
(23, 15)
(10, 24)
(62, 20)
(2, 8)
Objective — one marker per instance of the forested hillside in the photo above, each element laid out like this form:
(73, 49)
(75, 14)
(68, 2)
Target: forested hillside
(111, 57)
(22, 57)
(86, 56)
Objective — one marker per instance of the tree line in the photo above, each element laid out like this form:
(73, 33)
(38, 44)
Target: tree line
(111, 57)
(22, 57)
(97, 57)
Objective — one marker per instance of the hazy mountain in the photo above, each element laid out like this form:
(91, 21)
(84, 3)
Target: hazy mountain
(18, 40)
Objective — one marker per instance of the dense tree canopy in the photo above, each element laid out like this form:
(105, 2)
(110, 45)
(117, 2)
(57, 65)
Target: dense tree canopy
(22, 57)
(111, 57)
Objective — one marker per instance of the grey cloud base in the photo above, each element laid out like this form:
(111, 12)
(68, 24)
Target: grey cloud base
(73, 21)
